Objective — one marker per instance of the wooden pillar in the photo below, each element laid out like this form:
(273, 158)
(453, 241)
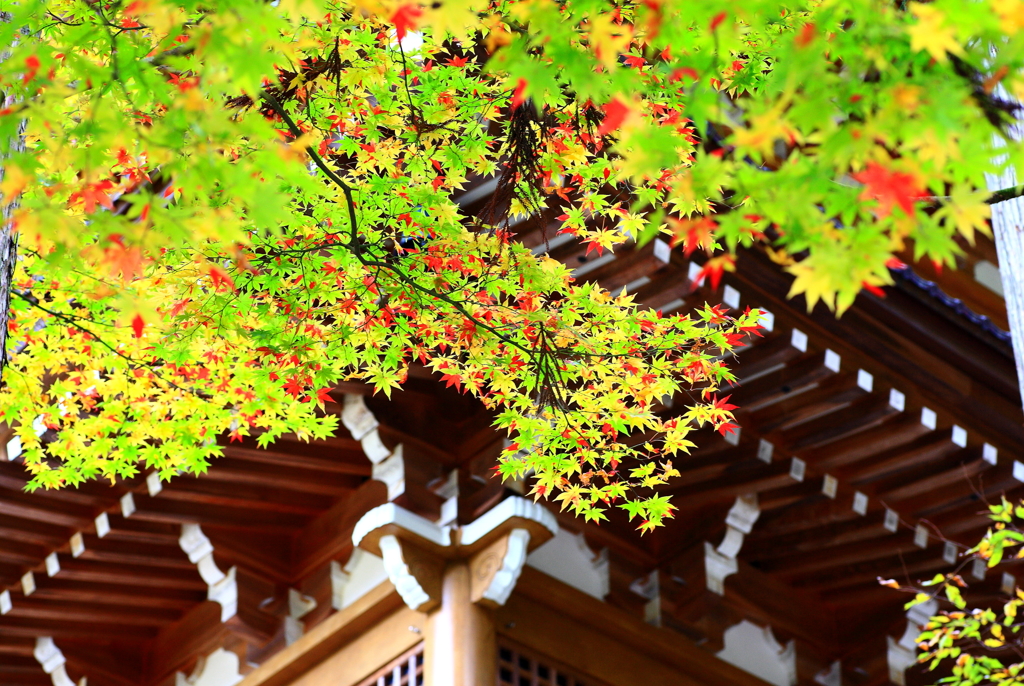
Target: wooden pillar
(457, 577)
(461, 646)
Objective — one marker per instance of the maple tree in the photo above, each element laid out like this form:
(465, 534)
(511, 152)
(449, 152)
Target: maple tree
(977, 645)
(223, 208)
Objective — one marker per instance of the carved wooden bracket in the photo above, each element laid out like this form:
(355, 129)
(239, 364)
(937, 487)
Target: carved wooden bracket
(721, 562)
(52, 660)
(902, 653)
(415, 550)
(222, 588)
(495, 570)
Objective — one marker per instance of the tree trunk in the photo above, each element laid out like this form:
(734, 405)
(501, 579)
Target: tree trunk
(1008, 229)
(8, 242)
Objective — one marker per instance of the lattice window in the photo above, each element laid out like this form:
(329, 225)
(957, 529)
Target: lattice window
(517, 668)
(406, 670)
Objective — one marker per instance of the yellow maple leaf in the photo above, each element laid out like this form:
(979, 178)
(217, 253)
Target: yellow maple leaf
(968, 212)
(1011, 15)
(459, 18)
(608, 39)
(932, 33)
(764, 130)
(813, 283)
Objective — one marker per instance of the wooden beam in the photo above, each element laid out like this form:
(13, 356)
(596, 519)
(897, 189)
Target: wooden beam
(66, 611)
(329, 536)
(32, 627)
(245, 496)
(129, 575)
(346, 458)
(172, 512)
(177, 646)
(116, 594)
(883, 336)
(236, 471)
(143, 553)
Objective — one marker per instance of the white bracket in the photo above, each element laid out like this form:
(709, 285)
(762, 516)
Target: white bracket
(219, 668)
(755, 649)
(903, 653)
(52, 660)
(399, 524)
(388, 466)
(648, 587)
(299, 606)
(510, 567)
(721, 562)
(361, 573)
(222, 588)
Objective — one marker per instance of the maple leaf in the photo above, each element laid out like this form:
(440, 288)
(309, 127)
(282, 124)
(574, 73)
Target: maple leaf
(713, 269)
(722, 404)
(323, 395)
(94, 194)
(806, 36)
(138, 325)
(615, 113)
(220, 278)
(873, 289)
(889, 188)
(32, 62)
(932, 34)
(695, 233)
(122, 259)
(519, 94)
(726, 428)
(688, 72)
(406, 18)
(967, 212)
(294, 387)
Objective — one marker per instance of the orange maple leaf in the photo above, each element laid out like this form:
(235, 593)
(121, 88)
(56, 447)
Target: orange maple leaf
(889, 188)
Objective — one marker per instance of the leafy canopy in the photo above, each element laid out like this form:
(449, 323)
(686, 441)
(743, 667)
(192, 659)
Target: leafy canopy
(225, 207)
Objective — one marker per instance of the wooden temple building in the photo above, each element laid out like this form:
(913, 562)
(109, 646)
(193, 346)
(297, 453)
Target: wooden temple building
(387, 555)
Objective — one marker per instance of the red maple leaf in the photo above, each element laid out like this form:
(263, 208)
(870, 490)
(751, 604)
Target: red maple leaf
(889, 188)
(452, 380)
(458, 61)
(722, 404)
(519, 94)
(323, 395)
(32, 62)
(696, 233)
(874, 290)
(727, 428)
(713, 269)
(220, 278)
(614, 114)
(405, 18)
(294, 387)
(688, 72)
(805, 37)
(138, 325)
